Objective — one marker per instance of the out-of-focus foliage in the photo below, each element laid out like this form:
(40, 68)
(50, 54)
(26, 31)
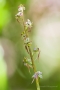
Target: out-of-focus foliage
(4, 13)
(3, 71)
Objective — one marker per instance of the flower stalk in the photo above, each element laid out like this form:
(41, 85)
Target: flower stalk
(27, 43)
(34, 69)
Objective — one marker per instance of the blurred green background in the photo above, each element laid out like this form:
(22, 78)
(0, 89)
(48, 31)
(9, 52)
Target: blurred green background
(45, 34)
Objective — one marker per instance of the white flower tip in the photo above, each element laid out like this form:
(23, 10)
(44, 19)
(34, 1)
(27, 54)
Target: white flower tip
(39, 72)
(28, 23)
(27, 40)
(19, 14)
(21, 8)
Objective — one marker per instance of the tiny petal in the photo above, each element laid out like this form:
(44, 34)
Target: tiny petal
(40, 76)
(37, 74)
(25, 64)
(35, 49)
(27, 40)
(29, 60)
(33, 80)
(19, 14)
(21, 8)
(28, 24)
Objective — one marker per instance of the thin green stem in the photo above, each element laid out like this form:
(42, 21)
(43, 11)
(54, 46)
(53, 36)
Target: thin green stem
(31, 56)
(34, 68)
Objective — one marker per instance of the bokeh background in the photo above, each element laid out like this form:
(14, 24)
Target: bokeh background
(45, 34)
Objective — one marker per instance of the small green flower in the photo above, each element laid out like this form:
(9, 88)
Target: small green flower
(19, 14)
(27, 40)
(21, 8)
(36, 75)
(26, 60)
(36, 49)
(28, 66)
(28, 24)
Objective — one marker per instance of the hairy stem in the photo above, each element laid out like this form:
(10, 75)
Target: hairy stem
(34, 68)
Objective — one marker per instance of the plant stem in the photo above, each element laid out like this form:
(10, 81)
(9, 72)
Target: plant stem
(34, 68)
(33, 65)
